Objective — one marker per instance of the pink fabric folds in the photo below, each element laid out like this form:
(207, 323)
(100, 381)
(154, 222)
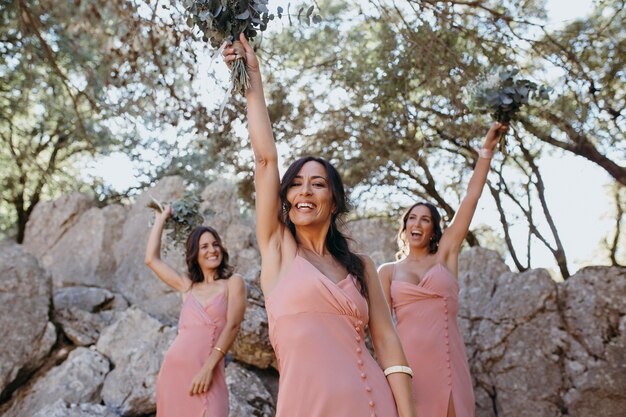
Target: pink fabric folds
(317, 331)
(199, 328)
(427, 326)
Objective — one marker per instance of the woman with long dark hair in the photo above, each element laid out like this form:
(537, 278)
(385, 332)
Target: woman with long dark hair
(423, 291)
(319, 295)
(191, 381)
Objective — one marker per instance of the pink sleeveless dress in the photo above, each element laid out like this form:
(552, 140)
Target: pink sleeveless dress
(198, 329)
(317, 331)
(428, 330)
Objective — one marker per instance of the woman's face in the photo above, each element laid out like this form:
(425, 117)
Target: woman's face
(310, 196)
(419, 227)
(209, 253)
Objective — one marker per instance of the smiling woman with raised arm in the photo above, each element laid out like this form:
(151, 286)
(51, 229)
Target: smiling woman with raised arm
(423, 292)
(319, 295)
(191, 381)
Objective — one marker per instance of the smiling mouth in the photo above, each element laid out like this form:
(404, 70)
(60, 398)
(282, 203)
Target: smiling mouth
(305, 206)
(416, 234)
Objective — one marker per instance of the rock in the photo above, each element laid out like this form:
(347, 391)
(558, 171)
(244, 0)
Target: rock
(62, 409)
(252, 345)
(25, 294)
(374, 237)
(247, 394)
(83, 312)
(135, 344)
(50, 220)
(78, 379)
(93, 236)
(91, 299)
(220, 205)
(133, 279)
(594, 307)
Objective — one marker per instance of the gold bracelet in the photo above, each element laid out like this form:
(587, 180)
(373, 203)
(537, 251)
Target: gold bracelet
(220, 350)
(398, 369)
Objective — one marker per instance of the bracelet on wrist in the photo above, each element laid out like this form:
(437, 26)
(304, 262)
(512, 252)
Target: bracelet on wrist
(398, 369)
(220, 350)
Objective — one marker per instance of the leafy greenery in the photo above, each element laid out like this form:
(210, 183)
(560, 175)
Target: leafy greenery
(503, 93)
(185, 216)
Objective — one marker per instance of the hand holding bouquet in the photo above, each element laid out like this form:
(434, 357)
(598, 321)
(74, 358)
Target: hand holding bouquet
(182, 217)
(503, 93)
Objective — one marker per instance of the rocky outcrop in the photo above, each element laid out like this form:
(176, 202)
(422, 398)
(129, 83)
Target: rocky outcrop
(25, 295)
(79, 379)
(541, 348)
(247, 394)
(536, 347)
(135, 344)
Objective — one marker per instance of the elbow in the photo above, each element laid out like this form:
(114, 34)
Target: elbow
(148, 260)
(264, 160)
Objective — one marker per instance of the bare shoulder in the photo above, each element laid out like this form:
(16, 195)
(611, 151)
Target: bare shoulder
(236, 282)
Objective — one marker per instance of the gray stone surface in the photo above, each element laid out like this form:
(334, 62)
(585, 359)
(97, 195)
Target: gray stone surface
(25, 293)
(62, 409)
(135, 344)
(247, 394)
(78, 379)
(132, 278)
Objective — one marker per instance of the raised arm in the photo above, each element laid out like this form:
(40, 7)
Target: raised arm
(162, 270)
(266, 178)
(386, 342)
(234, 315)
(454, 235)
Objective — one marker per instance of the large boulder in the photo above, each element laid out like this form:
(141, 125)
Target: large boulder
(135, 344)
(91, 240)
(50, 220)
(133, 278)
(78, 379)
(247, 394)
(82, 312)
(594, 313)
(25, 294)
(375, 237)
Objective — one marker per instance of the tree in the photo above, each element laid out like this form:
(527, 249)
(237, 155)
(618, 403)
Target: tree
(81, 79)
(383, 94)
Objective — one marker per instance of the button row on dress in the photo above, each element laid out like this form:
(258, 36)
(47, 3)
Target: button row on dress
(447, 341)
(358, 325)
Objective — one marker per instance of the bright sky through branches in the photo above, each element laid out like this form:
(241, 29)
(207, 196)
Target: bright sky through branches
(577, 190)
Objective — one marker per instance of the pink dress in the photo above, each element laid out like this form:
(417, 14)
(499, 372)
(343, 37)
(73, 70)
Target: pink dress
(428, 330)
(317, 331)
(198, 329)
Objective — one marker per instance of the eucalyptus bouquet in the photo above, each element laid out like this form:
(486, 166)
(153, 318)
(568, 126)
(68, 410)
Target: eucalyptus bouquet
(223, 20)
(185, 216)
(503, 93)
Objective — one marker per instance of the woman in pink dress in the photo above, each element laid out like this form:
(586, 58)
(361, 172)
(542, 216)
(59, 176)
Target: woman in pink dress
(423, 292)
(191, 381)
(320, 297)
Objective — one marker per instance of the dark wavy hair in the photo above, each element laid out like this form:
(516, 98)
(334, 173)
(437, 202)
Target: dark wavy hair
(224, 270)
(336, 241)
(433, 245)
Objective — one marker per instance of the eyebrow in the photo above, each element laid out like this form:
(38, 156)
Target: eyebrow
(315, 177)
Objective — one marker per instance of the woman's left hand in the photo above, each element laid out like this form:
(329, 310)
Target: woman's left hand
(201, 382)
(494, 135)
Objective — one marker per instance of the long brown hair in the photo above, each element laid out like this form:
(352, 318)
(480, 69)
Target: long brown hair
(224, 270)
(336, 241)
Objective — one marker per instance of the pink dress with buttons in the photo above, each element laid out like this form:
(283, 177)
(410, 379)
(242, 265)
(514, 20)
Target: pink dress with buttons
(316, 329)
(428, 330)
(198, 329)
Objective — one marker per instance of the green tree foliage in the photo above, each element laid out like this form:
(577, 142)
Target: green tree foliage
(383, 93)
(81, 79)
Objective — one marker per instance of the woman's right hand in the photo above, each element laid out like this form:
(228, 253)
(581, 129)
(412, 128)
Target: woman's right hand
(165, 214)
(242, 49)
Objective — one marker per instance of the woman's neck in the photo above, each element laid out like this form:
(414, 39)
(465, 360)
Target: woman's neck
(312, 239)
(418, 254)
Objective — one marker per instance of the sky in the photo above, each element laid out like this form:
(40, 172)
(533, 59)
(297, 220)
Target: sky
(576, 189)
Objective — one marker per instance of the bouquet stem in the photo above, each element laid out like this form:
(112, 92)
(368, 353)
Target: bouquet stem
(239, 76)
